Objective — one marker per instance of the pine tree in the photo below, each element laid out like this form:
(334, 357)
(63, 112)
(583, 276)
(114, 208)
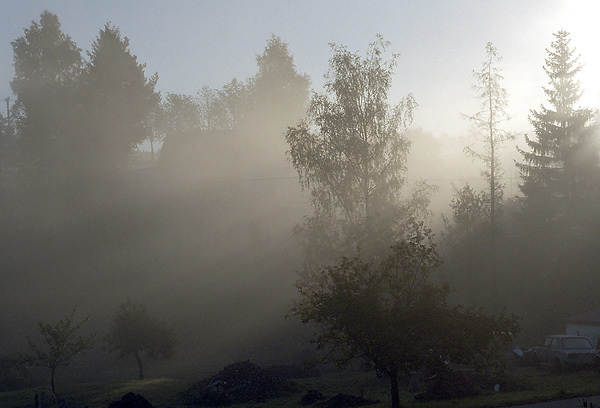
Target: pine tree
(560, 170)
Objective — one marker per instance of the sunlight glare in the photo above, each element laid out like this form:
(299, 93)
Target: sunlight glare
(583, 22)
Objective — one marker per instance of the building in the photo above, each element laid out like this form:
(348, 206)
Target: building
(586, 324)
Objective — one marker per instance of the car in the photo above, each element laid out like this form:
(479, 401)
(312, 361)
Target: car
(563, 350)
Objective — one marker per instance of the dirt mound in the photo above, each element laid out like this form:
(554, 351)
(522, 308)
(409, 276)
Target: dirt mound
(238, 383)
(344, 400)
(131, 400)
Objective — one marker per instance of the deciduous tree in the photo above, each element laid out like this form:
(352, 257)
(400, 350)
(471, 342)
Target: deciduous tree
(62, 343)
(352, 154)
(488, 122)
(390, 314)
(134, 332)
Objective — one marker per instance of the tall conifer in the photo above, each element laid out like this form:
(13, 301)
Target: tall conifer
(560, 168)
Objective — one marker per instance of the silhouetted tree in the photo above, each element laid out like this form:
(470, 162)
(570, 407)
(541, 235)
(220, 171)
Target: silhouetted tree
(561, 168)
(210, 111)
(119, 101)
(134, 332)
(234, 100)
(279, 92)
(354, 162)
(465, 243)
(62, 343)
(493, 112)
(181, 114)
(47, 67)
(391, 315)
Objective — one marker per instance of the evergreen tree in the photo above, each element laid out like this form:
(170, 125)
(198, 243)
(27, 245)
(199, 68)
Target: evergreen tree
(278, 96)
(560, 170)
(47, 66)
(119, 102)
(278, 89)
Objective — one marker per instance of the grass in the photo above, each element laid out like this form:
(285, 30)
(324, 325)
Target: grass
(541, 385)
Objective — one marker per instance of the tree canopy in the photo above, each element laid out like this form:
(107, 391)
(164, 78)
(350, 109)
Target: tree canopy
(561, 167)
(352, 153)
(118, 100)
(134, 332)
(389, 313)
(47, 67)
(63, 343)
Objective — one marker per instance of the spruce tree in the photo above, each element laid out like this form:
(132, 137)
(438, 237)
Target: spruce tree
(560, 169)
(47, 67)
(119, 101)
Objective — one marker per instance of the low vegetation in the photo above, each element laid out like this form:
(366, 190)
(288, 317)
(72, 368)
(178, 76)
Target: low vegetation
(536, 386)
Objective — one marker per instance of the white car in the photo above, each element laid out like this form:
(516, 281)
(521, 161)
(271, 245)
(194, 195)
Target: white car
(564, 350)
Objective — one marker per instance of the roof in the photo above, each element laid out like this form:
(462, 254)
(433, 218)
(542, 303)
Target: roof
(564, 336)
(590, 317)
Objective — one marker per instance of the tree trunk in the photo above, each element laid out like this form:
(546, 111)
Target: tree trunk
(395, 393)
(140, 367)
(53, 388)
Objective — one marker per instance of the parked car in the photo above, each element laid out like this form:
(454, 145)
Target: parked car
(562, 351)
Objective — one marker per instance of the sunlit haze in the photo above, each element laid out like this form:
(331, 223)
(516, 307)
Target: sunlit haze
(195, 43)
(204, 177)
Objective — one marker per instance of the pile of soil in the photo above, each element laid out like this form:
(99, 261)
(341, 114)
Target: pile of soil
(131, 400)
(345, 400)
(238, 383)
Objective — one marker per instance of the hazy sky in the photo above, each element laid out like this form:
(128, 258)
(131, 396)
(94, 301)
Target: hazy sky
(194, 43)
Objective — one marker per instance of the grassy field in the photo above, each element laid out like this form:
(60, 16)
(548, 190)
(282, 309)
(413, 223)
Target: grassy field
(161, 393)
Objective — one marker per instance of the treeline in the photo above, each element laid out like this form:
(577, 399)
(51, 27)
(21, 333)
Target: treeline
(79, 229)
(535, 254)
(76, 117)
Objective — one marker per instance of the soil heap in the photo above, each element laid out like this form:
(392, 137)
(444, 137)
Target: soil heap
(238, 383)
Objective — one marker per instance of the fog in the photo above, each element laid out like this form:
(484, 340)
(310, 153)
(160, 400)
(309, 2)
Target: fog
(203, 231)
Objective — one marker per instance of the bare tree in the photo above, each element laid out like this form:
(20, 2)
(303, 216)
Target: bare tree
(487, 120)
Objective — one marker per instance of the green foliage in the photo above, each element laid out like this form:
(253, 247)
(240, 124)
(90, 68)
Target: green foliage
(390, 314)
(62, 343)
(181, 113)
(134, 332)
(47, 67)
(561, 169)
(118, 101)
(466, 246)
(352, 155)
(14, 370)
(277, 88)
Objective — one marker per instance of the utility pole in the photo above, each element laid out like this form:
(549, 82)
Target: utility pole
(5, 135)
(8, 131)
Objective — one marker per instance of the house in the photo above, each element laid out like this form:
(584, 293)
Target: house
(586, 324)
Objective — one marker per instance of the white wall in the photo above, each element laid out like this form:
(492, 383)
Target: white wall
(592, 332)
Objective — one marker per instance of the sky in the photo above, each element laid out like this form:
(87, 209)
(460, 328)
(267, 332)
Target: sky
(192, 43)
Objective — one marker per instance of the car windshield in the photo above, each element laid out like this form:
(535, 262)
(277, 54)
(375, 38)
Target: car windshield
(576, 343)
